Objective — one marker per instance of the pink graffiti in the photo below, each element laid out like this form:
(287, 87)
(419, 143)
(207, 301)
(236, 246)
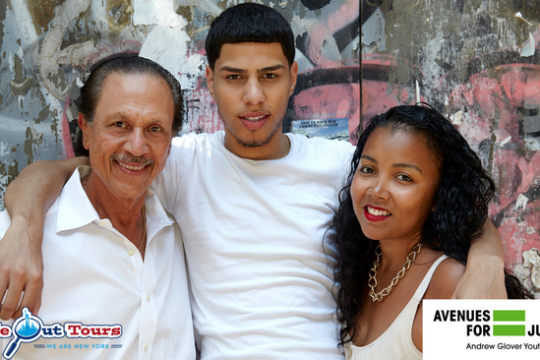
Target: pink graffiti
(493, 98)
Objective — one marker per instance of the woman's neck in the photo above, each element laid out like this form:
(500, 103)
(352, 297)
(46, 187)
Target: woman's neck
(394, 253)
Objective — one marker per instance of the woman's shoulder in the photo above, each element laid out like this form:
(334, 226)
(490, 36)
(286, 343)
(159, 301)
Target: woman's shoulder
(445, 279)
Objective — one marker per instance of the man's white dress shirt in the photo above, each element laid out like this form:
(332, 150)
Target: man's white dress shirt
(95, 275)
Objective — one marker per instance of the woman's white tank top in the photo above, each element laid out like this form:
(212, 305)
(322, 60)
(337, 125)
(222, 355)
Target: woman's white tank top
(396, 342)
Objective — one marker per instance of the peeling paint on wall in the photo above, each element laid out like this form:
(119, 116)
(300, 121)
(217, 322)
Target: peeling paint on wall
(47, 47)
(531, 265)
(477, 62)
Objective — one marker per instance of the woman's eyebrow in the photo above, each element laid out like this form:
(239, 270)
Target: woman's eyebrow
(408, 166)
(368, 158)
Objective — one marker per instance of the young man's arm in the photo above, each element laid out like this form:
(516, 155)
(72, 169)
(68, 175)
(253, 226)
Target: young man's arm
(484, 274)
(27, 199)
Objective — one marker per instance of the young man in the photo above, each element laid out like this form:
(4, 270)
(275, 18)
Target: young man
(253, 204)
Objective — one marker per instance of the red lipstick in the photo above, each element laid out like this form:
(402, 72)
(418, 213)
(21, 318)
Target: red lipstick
(372, 217)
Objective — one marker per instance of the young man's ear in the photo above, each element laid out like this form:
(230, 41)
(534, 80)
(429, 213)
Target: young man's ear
(210, 80)
(85, 128)
(294, 77)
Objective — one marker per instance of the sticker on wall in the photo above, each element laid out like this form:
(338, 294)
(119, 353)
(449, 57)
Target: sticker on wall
(332, 129)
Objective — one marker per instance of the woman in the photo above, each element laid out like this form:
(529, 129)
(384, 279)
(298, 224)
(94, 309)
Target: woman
(417, 196)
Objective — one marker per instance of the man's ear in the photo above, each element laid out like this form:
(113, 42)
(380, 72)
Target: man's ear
(210, 80)
(85, 128)
(170, 144)
(294, 77)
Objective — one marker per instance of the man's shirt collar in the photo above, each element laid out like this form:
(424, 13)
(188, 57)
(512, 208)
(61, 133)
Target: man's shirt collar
(75, 209)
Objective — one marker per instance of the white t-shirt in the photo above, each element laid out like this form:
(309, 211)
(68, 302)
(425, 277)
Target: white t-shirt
(261, 279)
(94, 275)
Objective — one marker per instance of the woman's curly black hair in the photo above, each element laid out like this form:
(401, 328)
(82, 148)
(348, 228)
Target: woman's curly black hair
(459, 212)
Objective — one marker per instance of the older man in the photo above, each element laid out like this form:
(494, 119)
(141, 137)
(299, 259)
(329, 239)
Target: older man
(112, 254)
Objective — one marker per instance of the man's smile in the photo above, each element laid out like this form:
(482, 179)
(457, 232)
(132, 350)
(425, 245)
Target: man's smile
(254, 120)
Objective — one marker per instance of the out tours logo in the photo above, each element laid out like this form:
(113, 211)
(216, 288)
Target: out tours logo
(29, 328)
(495, 323)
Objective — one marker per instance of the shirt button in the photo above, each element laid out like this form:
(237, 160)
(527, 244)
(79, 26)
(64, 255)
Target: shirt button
(148, 297)
(145, 347)
(102, 223)
(131, 252)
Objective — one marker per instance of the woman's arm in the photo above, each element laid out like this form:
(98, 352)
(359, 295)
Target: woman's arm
(27, 199)
(484, 274)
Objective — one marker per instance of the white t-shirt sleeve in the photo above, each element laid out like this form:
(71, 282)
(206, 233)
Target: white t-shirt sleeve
(5, 221)
(346, 154)
(168, 184)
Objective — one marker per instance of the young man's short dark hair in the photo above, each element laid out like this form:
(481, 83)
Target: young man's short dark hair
(249, 23)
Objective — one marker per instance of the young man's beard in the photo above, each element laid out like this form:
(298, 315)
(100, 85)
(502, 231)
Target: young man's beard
(254, 143)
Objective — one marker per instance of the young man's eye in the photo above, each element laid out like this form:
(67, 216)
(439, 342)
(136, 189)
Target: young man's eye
(119, 124)
(155, 129)
(233, 77)
(270, 76)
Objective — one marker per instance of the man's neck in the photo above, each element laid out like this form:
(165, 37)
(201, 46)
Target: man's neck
(124, 213)
(277, 148)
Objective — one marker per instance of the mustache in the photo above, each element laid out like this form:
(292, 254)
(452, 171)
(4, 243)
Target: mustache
(141, 160)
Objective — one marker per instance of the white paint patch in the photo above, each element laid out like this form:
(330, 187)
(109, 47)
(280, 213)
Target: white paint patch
(79, 82)
(4, 148)
(156, 12)
(299, 26)
(529, 47)
(521, 202)
(27, 29)
(167, 43)
(205, 5)
(303, 62)
(521, 272)
(373, 30)
(168, 47)
(11, 63)
(457, 118)
(531, 260)
(506, 141)
(520, 16)
(530, 230)
(234, 2)
(417, 92)
(51, 57)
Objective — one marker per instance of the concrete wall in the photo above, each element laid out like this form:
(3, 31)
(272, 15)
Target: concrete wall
(478, 62)
(46, 47)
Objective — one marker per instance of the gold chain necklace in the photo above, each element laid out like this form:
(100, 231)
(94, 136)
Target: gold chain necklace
(85, 181)
(372, 282)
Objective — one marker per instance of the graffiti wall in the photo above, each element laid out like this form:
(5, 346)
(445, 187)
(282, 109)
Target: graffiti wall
(478, 62)
(47, 47)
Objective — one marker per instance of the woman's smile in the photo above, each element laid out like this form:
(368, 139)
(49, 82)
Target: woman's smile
(373, 213)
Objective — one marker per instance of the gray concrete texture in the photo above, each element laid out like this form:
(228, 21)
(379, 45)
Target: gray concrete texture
(478, 62)
(47, 47)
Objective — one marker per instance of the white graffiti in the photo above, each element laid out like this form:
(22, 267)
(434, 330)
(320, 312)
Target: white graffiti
(51, 57)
